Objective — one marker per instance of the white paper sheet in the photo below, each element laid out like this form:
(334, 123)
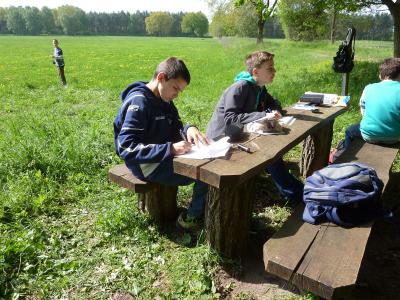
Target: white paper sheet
(287, 120)
(213, 150)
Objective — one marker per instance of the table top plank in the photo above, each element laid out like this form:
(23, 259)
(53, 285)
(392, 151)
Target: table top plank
(239, 166)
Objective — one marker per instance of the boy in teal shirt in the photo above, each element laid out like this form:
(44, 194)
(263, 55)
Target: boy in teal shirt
(380, 108)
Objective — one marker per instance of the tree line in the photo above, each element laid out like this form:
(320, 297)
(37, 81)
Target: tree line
(295, 20)
(74, 21)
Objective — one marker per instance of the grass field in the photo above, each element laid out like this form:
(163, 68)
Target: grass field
(66, 232)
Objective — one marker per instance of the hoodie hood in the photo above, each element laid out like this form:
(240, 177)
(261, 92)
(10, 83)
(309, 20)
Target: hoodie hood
(245, 76)
(135, 87)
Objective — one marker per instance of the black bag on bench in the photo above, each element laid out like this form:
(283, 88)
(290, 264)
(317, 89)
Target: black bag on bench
(346, 194)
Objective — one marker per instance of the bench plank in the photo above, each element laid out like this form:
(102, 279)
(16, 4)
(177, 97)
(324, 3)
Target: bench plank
(331, 264)
(122, 176)
(280, 255)
(333, 261)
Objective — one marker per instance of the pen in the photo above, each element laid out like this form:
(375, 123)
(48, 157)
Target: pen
(243, 148)
(183, 135)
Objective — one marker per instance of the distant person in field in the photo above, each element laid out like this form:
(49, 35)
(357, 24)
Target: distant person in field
(58, 61)
(380, 110)
(247, 100)
(148, 134)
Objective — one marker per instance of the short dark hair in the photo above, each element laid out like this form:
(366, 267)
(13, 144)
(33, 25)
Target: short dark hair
(173, 68)
(390, 68)
(256, 59)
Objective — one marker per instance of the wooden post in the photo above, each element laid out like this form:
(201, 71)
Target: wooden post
(315, 150)
(160, 203)
(227, 217)
(345, 83)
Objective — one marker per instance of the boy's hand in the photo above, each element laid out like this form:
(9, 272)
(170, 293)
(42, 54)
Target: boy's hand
(181, 147)
(196, 137)
(273, 115)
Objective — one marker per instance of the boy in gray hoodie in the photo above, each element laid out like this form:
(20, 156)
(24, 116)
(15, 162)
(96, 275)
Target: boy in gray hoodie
(247, 100)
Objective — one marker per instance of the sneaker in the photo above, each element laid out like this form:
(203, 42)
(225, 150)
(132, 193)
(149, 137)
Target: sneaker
(188, 222)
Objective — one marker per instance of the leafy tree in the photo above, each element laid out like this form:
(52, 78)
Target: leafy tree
(33, 20)
(3, 20)
(137, 25)
(72, 19)
(15, 20)
(176, 29)
(159, 23)
(224, 20)
(336, 7)
(264, 9)
(302, 19)
(49, 26)
(394, 8)
(195, 24)
(273, 28)
(246, 21)
(369, 27)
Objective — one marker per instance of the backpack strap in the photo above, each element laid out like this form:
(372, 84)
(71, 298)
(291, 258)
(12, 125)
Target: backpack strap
(332, 215)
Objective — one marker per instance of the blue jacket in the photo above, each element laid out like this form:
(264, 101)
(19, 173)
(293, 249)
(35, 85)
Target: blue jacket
(144, 129)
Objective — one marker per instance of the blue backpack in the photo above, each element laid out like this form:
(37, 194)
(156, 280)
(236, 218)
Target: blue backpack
(346, 194)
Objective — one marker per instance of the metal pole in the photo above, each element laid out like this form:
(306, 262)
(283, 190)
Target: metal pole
(345, 83)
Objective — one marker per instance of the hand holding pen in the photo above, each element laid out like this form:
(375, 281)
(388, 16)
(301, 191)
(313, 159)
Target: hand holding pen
(182, 146)
(272, 114)
(194, 136)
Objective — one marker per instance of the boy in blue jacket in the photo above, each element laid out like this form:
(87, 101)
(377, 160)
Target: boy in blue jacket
(247, 100)
(148, 133)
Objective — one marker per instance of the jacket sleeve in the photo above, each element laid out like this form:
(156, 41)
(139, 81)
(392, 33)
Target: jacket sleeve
(178, 126)
(132, 138)
(272, 103)
(235, 100)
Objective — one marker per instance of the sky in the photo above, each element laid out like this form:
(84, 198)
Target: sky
(118, 5)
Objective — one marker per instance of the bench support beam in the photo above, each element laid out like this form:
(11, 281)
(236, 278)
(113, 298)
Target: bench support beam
(160, 203)
(315, 151)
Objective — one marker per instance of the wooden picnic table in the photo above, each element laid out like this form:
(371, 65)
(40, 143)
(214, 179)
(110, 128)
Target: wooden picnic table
(232, 178)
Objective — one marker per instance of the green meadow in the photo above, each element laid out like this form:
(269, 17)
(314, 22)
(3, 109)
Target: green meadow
(68, 233)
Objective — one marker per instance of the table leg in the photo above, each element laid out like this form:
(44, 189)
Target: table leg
(315, 151)
(228, 215)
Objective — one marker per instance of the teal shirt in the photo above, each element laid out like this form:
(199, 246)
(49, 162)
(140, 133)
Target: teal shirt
(381, 119)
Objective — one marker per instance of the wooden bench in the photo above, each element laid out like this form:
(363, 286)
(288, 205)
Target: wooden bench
(158, 200)
(325, 259)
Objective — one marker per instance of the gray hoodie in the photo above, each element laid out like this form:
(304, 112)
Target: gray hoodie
(241, 103)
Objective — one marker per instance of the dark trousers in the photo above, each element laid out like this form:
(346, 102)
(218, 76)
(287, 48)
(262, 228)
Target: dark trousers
(352, 132)
(61, 75)
(290, 187)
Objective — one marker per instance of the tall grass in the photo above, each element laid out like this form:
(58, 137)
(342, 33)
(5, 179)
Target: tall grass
(65, 230)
